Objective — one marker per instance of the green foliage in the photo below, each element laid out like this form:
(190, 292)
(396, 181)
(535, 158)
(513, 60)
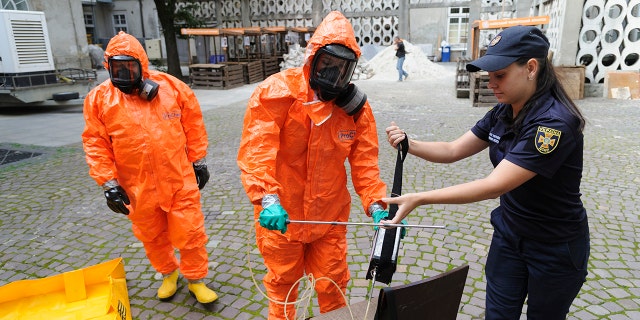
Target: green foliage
(184, 17)
(159, 64)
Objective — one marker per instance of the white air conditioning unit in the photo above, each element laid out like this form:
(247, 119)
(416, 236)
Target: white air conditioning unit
(25, 42)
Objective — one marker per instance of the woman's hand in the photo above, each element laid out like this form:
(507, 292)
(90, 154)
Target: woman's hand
(406, 203)
(395, 134)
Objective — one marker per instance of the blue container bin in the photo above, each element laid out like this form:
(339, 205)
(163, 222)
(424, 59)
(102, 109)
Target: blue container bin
(446, 53)
(216, 58)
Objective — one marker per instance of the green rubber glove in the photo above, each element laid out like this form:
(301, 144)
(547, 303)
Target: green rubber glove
(274, 217)
(383, 214)
(379, 215)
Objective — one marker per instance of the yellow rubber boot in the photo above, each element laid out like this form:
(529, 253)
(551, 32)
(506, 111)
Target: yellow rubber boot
(169, 286)
(202, 293)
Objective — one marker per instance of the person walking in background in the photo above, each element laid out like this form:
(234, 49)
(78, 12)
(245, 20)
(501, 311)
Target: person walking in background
(145, 144)
(540, 246)
(400, 53)
(300, 126)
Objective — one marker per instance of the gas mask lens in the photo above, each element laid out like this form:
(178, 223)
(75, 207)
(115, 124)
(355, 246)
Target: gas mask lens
(125, 72)
(332, 71)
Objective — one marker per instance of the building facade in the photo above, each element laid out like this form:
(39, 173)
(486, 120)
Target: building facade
(599, 34)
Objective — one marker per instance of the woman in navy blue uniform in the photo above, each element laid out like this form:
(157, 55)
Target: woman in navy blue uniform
(540, 245)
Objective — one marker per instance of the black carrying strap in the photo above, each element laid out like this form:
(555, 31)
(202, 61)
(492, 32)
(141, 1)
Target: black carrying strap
(388, 246)
(385, 262)
(396, 189)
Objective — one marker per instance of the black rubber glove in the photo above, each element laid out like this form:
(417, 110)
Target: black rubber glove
(202, 174)
(116, 200)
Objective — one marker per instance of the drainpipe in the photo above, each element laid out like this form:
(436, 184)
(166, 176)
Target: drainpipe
(144, 35)
(95, 22)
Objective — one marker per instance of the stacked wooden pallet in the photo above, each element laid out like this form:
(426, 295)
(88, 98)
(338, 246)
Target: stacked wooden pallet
(481, 95)
(572, 79)
(462, 79)
(216, 76)
(270, 66)
(251, 71)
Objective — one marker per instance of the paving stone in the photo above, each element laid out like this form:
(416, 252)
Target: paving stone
(597, 310)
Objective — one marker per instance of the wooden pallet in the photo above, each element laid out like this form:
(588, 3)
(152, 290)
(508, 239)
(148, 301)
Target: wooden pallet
(481, 95)
(254, 72)
(270, 66)
(572, 80)
(251, 71)
(216, 76)
(462, 79)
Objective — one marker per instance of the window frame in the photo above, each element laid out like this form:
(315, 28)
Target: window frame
(458, 17)
(119, 19)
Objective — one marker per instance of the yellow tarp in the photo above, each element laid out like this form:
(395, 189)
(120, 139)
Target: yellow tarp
(95, 292)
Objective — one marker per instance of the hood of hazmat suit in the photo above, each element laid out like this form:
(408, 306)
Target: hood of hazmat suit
(297, 146)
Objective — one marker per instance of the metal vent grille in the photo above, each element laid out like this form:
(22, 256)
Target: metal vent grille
(9, 156)
(30, 42)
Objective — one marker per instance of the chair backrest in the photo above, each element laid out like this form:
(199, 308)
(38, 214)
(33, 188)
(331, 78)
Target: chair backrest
(435, 298)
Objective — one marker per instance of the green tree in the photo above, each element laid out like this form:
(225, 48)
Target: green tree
(173, 17)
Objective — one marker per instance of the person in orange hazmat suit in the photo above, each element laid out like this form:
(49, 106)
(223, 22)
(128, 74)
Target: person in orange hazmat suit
(300, 126)
(145, 143)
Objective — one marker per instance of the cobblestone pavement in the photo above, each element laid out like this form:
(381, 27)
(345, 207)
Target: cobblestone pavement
(53, 218)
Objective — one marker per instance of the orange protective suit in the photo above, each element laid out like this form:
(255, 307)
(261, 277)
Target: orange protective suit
(295, 146)
(149, 147)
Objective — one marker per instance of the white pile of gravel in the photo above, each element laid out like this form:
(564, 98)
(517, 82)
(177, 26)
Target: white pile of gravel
(382, 66)
(416, 63)
(295, 58)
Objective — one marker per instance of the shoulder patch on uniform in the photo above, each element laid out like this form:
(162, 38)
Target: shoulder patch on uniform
(546, 139)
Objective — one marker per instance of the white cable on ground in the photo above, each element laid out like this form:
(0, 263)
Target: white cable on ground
(306, 295)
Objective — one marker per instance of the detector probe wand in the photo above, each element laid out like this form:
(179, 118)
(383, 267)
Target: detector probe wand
(390, 225)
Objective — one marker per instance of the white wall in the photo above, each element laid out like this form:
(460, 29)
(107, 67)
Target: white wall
(428, 26)
(67, 34)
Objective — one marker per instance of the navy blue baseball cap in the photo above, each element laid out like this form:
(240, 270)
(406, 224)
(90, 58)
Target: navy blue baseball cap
(510, 45)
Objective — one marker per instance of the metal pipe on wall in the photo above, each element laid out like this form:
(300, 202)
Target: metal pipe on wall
(144, 35)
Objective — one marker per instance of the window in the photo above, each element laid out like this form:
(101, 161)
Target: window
(458, 28)
(14, 5)
(89, 27)
(119, 22)
(88, 19)
(89, 23)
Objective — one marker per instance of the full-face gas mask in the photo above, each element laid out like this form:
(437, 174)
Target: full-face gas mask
(331, 71)
(126, 74)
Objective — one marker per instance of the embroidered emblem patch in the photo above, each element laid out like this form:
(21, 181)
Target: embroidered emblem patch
(547, 139)
(495, 41)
